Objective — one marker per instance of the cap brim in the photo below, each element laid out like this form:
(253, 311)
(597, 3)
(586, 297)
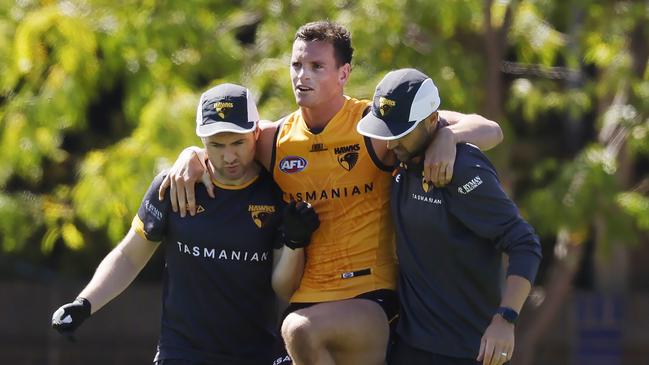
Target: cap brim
(375, 127)
(223, 127)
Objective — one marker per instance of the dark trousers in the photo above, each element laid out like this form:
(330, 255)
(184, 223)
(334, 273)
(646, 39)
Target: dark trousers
(177, 362)
(404, 354)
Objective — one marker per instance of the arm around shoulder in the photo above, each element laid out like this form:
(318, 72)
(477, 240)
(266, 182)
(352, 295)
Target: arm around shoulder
(186, 171)
(439, 159)
(473, 128)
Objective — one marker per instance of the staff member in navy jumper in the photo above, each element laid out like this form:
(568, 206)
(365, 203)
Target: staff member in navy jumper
(450, 240)
(218, 305)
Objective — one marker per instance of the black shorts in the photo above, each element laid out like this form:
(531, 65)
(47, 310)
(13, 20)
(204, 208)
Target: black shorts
(404, 354)
(386, 298)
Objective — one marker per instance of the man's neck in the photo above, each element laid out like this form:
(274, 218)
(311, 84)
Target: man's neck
(419, 156)
(318, 117)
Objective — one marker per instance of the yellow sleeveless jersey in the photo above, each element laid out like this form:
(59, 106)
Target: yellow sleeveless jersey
(337, 171)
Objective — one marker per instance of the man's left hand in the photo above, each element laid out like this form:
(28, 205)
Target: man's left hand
(299, 222)
(440, 157)
(497, 343)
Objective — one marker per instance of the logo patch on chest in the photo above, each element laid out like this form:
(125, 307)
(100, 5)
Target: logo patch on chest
(470, 185)
(347, 156)
(318, 147)
(292, 164)
(261, 214)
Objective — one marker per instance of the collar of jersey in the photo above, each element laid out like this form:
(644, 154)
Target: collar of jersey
(330, 122)
(234, 187)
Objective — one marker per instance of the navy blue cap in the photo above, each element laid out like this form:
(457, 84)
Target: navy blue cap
(226, 108)
(402, 99)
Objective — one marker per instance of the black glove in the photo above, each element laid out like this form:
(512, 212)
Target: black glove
(300, 221)
(70, 316)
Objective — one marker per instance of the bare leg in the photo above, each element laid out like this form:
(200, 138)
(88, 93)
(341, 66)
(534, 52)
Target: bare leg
(347, 332)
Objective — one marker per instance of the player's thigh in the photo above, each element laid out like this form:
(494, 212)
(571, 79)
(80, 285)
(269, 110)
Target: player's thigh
(347, 324)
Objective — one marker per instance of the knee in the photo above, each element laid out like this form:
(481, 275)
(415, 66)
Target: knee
(298, 332)
(302, 339)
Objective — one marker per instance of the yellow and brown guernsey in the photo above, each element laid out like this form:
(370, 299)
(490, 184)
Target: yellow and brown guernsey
(337, 171)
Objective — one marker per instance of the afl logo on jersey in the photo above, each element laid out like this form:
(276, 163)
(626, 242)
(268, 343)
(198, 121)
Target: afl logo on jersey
(292, 164)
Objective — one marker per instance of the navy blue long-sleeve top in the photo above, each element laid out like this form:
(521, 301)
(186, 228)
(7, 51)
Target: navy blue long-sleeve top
(449, 244)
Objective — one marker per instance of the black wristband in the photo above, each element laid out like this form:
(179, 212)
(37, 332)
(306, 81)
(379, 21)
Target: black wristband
(293, 244)
(508, 314)
(86, 305)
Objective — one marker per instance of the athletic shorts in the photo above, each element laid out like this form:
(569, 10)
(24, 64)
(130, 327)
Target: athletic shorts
(404, 354)
(387, 299)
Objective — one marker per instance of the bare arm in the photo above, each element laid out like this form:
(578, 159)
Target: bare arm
(474, 129)
(471, 128)
(188, 170)
(118, 269)
(498, 338)
(288, 266)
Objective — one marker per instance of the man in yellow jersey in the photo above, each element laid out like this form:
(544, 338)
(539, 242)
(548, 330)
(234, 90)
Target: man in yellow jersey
(341, 311)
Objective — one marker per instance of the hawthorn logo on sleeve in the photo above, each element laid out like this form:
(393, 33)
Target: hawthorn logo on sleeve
(261, 213)
(470, 185)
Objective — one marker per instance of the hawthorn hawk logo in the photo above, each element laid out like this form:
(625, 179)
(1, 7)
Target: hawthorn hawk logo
(425, 184)
(385, 105)
(223, 108)
(347, 156)
(261, 214)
